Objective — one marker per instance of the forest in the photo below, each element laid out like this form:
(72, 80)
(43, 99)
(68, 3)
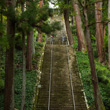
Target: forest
(25, 26)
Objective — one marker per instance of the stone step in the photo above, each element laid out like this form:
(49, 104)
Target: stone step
(61, 93)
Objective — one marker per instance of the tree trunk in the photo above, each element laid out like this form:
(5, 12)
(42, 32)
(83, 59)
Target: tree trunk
(80, 33)
(24, 75)
(97, 96)
(1, 37)
(39, 32)
(99, 32)
(9, 65)
(24, 68)
(72, 20)
(33, 45)
(68, 29)
(1, 15)
(109, 34)
(104, 30)
(39, 36)
(41, 3)
(29, 51)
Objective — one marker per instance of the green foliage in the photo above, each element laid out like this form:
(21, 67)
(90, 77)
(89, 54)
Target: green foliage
(51, 28)
(3, 39)
(84, 69)
(105, 11)
(2, 71)
(46, 28)
(50, 12)
(94, 49)
(2, 29)
(23, 26)
(2, 4)
(10, 13)
(103, 77)
(2, 77)
(104, 81)
(31, 18)
(75, 46)
(1, 101)
(63, 4)
(4, 43)
(18, 59)
(55, 25)
(106, 43)
(30, 84)
(18, 41)
(43, 15)
(37, 54)
(93, 38)
(38, 44)
(1, 84)
(73, 29)
(44, 37)
(103, 73)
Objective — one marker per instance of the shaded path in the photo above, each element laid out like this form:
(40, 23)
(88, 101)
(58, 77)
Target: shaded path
(61, 93)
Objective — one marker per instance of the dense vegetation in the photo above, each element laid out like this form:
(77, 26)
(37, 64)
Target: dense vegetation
(103, 77)
(24, 26)
(31, 77)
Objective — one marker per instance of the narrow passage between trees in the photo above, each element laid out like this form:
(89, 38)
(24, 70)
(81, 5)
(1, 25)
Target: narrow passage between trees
(61, 87)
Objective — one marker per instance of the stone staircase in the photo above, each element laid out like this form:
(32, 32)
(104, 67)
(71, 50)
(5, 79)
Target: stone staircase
(61, 97)
(61, 93)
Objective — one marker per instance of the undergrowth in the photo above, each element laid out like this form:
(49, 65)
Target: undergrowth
(103, 74)
(30, 84)
(31, 78)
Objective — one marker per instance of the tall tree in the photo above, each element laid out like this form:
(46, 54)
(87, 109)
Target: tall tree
(24, 67)
(99, 31)
(2, 6)
(29, 51)
(109, 34)
(24, 74)
(98, 100)
(41, 3)
(1, 14)
(9, 65)
(1, 22)
(33, 44)
(29, 39)
(68, 29)
(72, 20)
(80, 33)
(39, 30)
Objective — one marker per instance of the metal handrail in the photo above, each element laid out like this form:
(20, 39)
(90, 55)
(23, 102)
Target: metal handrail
(70, 75)
(72, 88)
(50, 74)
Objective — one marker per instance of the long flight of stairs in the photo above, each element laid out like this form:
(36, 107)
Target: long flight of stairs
(61, 93)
